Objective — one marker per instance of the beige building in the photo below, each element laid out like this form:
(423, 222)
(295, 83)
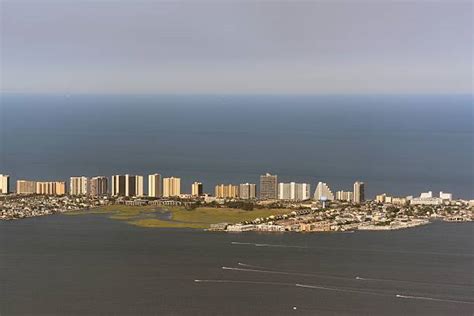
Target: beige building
(359, 192)
(226, 191)
(171, 187)
(127, 185)
(51, 188)
(78, 185)
(4, 184)
(268, 187)
(344, 196)
(25, 187)
(154, 185)
(197, 189)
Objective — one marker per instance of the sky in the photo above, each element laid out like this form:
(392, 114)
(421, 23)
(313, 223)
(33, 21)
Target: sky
(314, 47)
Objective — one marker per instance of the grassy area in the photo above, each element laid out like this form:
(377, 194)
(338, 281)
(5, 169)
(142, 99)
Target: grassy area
(201, 217)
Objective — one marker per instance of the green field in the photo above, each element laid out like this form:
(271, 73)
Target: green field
(202, 217)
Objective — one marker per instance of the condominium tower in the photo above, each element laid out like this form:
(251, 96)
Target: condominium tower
(268, 187)
(171, 187)
(344, 196)
(127, 185)
(196, 189)
(4, 184)
(247, 191)
(78, 185)
(293, 191)
(359, 192)
(226, 191)
(323, 192)
(154, 185)
(51, 188)
(25, 187)
(98, 186)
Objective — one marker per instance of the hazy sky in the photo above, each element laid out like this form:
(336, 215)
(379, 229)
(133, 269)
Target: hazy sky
(236, 47)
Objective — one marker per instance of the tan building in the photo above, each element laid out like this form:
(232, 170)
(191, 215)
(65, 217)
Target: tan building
(78, 185)
(268, 187)
(226, 191)
(154, 185)
(25, 187)
(171, 187)
(359, 192)
(4, 184)
(51, 188)
(344, 196)
(197, 189)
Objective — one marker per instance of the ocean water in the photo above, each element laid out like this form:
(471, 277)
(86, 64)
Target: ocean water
(401, 145)
(92, 265)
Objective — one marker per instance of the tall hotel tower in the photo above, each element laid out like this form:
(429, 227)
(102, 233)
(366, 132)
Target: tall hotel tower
(78, 186)
(247, 191)
(196, 189)
(98, 186)
(359, 192)
(171, 187)
(4, 184)
(268, 187)
(154, 185)
(127, 185)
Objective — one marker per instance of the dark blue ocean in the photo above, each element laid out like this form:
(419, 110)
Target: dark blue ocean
(401, 145)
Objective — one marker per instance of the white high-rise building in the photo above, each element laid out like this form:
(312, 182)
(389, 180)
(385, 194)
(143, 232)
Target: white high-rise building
(171, 187)
(323, 192)
(293, 191)
(154, 185)
(426, 195)
(4, 184)
(78, 185)
(445, 196)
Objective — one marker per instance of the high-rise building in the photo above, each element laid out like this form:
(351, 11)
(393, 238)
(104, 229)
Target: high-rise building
(51, 188)
(139, 186)
(98, 186)
(268, 187)
(127, 185)
(78, 185)
(196, 189)
(171, 187)
(25, 187)
(323, 192)
(247, 191)
(154, 185)
(445, 196)
(359, 192)
(118, 185)
(344, 196)
(227, 191)
(293, 191)
(4, 184)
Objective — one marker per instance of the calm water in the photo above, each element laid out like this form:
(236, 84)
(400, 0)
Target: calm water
(397, 144)
(85, 265)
